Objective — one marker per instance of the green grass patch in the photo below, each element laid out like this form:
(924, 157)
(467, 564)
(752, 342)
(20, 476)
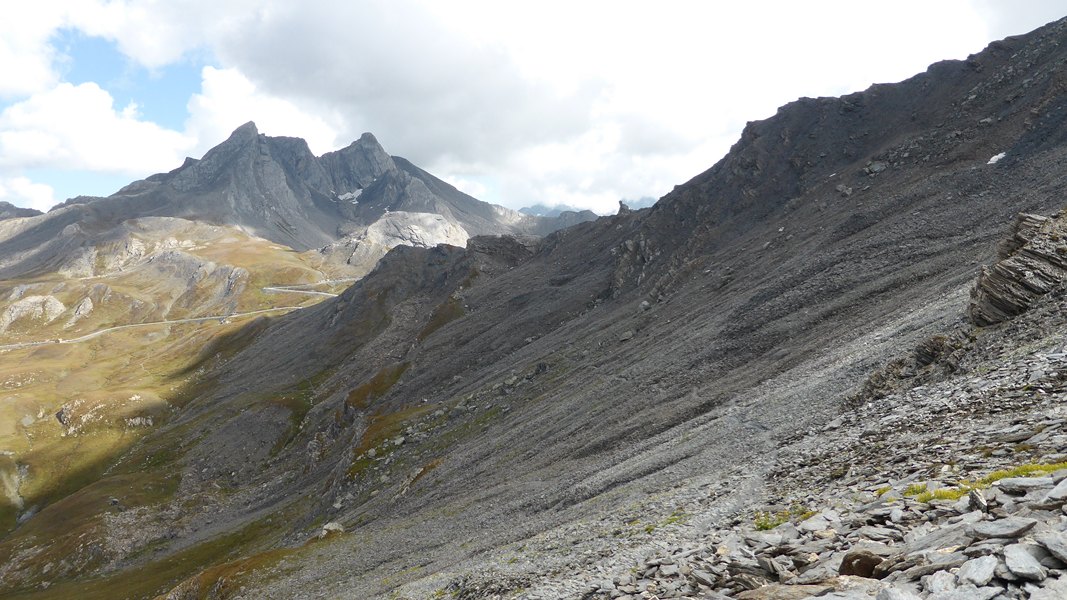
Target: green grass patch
(377, 386)
(943, 494)
(298, 402)
(915, 489)
(961, 489)
(1027, 470)
(227, 344)
(380, 428)
(448, 311)
(156, 578)
(764, 520)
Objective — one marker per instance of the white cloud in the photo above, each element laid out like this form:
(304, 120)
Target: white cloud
(228, 99)
(78, 127)
(155, 34)
(572, 99)
(550, 101)
(468, 186)
(20, 191)
(25, 55)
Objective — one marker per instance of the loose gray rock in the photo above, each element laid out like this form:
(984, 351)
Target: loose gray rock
(940, 582)
(895, 593)
(1058, 493)
(1020, 562)
(1024, 485)
(978, 571)
(1054, 542)
(1011, 527)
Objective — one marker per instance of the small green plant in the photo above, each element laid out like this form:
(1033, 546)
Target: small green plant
(944, 494)
(883, 490)
(1027, 470)
(915, 489)
(766, 521)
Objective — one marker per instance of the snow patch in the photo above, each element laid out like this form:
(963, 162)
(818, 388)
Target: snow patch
(994, 160)
(352, 196)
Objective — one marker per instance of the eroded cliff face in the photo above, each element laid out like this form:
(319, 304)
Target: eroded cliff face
(1033, 262)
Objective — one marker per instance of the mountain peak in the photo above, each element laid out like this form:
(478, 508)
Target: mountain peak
(359, 164)
(242, 135)
(248, 129)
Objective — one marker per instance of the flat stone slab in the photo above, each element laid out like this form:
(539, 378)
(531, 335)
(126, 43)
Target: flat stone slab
(1023, 564)
(978, 571)
(1058, 493)
(1024, 485)
(1055, 542)
(1012, 527)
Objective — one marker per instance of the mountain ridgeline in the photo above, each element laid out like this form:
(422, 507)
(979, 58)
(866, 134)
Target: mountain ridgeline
(533, 417)
(273, 188)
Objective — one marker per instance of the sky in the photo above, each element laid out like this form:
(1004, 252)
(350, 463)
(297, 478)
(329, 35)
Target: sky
(581, 103)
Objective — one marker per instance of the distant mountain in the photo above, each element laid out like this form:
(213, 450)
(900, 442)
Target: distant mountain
(643, 202)
(275, 188)
(10, 211)
(544, 210)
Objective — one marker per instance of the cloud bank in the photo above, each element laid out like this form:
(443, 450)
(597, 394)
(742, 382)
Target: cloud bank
(520, 103)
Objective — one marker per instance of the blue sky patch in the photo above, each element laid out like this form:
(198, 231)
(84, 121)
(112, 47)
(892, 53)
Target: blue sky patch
(68, 183)
(161, 94)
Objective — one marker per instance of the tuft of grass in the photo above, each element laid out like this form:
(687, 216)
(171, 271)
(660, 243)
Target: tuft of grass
(915, 489)
(765, 521)
(1027, 470)
(944, 494)
(885, 489)
(920, 493)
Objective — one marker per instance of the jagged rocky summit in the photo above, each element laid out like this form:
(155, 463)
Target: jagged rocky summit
(275, 188)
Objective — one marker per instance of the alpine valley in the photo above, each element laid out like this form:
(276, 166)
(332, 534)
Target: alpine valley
(833, 365)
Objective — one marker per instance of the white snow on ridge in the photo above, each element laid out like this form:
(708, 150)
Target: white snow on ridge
(996, 159)
(353, 196)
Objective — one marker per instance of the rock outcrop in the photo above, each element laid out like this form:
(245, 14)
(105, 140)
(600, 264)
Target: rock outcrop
(361, 251)
(34, 308)
(10, 211)
(1033, 261)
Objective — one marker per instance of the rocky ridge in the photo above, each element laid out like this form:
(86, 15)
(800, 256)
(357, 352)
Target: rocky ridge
(10, 211)
(276, 189)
